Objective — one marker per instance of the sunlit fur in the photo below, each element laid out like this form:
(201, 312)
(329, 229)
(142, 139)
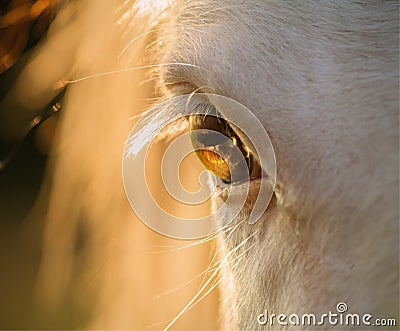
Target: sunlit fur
(322, 76)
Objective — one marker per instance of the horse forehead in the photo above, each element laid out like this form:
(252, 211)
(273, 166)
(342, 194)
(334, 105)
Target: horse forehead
(220, 62)
(241, 53)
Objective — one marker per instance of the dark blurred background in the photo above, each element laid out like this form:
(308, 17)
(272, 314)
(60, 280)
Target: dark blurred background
(21, 29)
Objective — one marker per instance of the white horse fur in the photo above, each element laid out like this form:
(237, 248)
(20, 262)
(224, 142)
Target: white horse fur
(322, 76)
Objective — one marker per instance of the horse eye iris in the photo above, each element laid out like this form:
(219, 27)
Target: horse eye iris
(209, 135)
(215, 163)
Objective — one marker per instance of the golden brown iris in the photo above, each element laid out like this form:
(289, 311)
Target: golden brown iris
(215, 163)
(216, 142)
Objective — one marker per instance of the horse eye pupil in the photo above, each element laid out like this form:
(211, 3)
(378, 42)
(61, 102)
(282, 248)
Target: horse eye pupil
(209, 135)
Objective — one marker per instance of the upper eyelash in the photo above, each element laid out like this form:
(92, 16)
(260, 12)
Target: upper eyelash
(161, 115)
(155, 119)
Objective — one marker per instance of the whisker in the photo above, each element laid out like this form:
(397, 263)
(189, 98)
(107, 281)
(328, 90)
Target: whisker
(182, 285)
(134, 39)
(209, 269)
(206, 284)
(179, 287)
(198, 242)
(213, 286)
(197, 301)
(216, 283)
(234, 259)
(219, 249)
(190, 302)
(132, 69)
(159, 323)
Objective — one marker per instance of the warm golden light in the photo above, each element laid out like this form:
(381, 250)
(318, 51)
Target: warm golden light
(215, 163)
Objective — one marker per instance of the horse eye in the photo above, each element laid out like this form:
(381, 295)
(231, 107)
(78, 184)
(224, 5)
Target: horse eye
(213, 138)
